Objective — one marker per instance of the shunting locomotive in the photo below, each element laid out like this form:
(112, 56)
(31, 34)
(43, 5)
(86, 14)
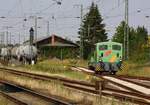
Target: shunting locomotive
(107, 57)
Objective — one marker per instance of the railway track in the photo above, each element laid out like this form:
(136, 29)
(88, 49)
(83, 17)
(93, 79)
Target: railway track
(125, 77)
(13, 99)
(132, 86)
(99, 88)
(47, 98)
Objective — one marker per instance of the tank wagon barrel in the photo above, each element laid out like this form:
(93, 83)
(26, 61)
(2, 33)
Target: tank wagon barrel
(23, 53)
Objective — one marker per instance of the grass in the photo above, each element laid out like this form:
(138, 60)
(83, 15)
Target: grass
(55, 67)
(4, 101)
(56, 88)
(59, 68)
(133, 69)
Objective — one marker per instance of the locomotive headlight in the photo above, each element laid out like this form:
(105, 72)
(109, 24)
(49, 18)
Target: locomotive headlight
(100, 59)
(120, 59)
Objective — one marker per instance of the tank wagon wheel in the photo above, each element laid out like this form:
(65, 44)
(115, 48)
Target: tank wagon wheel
(24, 61)
(29, 62)
(35, 60)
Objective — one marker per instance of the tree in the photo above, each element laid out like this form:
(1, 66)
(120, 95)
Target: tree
(92, 30)
(141, 50)
(119, 34)
(141, 36)
(138, 41)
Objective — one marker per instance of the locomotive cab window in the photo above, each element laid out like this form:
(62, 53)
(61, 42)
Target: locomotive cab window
(116, 47)
(103, 47)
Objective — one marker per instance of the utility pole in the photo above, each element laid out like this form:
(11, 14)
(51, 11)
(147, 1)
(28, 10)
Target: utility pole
(10, 35)
(81, 35)
(88, 30)
(3, 38)
(35, 39)
(126, 31)
(19, 38)
(6, 36)
(1, 34)
(47, 28)
(127, 21)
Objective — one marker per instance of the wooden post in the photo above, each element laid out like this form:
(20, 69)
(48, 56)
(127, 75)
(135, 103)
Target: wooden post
(99, 86)
(61, 53)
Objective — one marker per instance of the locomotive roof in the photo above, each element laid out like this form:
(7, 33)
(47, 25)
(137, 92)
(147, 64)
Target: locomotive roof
(108, 42)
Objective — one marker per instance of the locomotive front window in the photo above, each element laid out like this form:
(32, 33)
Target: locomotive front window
(103, 47)
(116, 47)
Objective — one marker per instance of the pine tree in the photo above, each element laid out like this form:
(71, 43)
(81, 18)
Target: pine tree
(141, 36)
(119, 34)
(93, 30)
(138, 41)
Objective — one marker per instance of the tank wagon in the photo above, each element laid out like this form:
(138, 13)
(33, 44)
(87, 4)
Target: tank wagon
(5, 53)
(26, 54)
(107, 57)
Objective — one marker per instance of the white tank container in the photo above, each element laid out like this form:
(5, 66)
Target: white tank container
(4, 52)
(29, 52)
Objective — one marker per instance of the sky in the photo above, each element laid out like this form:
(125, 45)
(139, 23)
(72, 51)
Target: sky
(63, 19)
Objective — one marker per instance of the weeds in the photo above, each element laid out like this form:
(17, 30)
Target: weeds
(56, 88)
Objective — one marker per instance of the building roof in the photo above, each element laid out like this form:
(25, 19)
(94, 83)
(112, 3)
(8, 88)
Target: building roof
(58, 45)
(54, 40)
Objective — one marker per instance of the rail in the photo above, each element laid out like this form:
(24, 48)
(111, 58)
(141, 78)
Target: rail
(98, 88)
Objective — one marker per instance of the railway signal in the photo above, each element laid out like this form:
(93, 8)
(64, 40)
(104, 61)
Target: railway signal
(31, 35)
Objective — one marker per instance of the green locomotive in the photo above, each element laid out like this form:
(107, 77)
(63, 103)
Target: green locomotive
(107, 57)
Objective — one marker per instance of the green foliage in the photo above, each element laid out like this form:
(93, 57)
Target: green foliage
(92, 30)
(60, 53)
(119, 35)
(55, 67)
(138, 42)
(134, 69)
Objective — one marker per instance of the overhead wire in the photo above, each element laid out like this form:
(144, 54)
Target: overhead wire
(42, 10)
(11, 10)
(105, 17)
(130, 13)
(112, 9)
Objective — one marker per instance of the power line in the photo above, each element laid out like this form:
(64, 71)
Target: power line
(112, 9)
(45, 9)
(42, 10)
(99, 1)
(22, 9)
(14, 6)
(131, 13)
